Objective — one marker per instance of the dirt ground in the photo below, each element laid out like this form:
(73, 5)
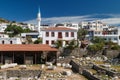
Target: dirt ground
(74, 76)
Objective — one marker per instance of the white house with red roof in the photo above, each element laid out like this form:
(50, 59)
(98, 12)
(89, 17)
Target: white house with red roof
(61, 34)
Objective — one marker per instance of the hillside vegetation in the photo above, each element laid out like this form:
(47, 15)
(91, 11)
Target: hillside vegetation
(4, 20)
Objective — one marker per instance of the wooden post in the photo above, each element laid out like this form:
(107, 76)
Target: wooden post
(56, 57)
(24, 58)
(35, 58)
(1, 57)
(46, 56)
(13, 57)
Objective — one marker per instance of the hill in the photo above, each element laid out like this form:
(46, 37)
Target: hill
(4, 20)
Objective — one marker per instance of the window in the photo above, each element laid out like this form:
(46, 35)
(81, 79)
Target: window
(105, 39)
(59, 34)
(33, 36)
(52, 42)
(95, 32)
(115, 32)
(52, 34)
(66, 34)
(3, 42)
(47, 42)
(72, 34)
(11, 42)
(98, 32)
(115, 38)
(47, 34)
(109, 39)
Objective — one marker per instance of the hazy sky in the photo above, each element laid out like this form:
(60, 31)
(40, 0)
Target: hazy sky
(23, 10)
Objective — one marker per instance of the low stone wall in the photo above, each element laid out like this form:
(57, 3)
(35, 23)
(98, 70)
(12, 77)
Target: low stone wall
(110, 73)
(112, 53)
(1, 72)
(75, 66)
(21, 73)
(64, 60)
(89, 75)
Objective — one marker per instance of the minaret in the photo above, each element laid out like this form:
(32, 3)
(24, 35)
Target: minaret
(39, 23)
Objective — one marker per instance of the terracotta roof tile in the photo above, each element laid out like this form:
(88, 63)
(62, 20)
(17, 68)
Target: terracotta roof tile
(58, 28)
(26, 47)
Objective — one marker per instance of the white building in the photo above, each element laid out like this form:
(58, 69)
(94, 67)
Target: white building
(109, 34)
(96, 25)
(61, 34)
(72, 25)
(5, 39)
(99, 29)
(69, 25)
(10, 41)
(33, 35)
(83, 24)
(30, 26)
(4, 36)
(3, 26)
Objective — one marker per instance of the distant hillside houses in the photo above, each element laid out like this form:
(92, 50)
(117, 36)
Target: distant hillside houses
(3, 26)
(96, 28)
(62, 32)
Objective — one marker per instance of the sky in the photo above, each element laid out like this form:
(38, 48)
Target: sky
(60, 10)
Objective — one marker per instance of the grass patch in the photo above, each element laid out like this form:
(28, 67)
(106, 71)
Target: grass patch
(93, 71)
(99, 62)
(116, 67)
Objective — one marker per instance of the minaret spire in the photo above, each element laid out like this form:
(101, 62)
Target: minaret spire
(39, 14)
(39, 22)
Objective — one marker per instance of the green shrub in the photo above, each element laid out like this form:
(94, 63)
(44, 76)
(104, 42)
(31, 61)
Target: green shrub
(115, 47)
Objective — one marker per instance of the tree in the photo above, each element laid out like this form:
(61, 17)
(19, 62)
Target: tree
(27, 30)
(72, 45)
(95, 47)
(81, 34)
(38, 41)
(29, 39)
(98, 40)
(13, 30)
(115, 47)
(58, 44)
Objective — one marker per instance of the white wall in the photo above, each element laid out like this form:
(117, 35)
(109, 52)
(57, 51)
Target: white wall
(3, 26)
(7, 40)
(55, 38)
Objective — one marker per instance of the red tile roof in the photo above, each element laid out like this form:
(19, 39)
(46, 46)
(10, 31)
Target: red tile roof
(58, 29)
(26, 47)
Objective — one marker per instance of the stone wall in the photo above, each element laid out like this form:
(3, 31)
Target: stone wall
(110, 73)
(21, 73)
(75, 66)
(77, 52)
(112, 53)
(89, 75)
